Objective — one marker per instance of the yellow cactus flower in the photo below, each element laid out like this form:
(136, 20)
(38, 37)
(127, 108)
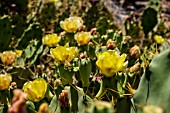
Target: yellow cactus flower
(64, 53)
(77, 18)
(35, 90)
(51, 40)
(18, 53)
(159, 39)
(5, 81)
(110, 62)
(169, 24)
(71, 24)
(82, 38)
(8, 57)
(53, 0)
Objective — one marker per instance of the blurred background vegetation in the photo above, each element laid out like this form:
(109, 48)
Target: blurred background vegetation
(138, 28)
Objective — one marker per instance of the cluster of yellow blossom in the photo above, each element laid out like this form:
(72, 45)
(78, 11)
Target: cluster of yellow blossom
(109, 62)
(70, 25)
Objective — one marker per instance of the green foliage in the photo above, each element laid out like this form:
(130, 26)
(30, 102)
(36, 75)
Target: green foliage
(150, 16)
(149, 20)
(153, 88)
(5, 33)
(85, 68)
(24, 26)
(74, 99)
(32, 32)
(155, 4)
(66, 74)
(20, 75)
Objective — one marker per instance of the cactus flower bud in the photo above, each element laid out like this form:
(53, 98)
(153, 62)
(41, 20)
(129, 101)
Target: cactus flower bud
(57, 82)
(51, 40)
(43, 108)
(110, 62)
(135, 52)
(93, 31)
(110, 45)
(135, 68)
(126, 38)
(35, 90)
(63, 99)
(71, 24)
(5, 81)
(13, 85)
(83, 55)
(18, 102)
(82, 38)
(8, 57)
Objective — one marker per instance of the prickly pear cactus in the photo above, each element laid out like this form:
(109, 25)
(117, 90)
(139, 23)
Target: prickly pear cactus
(55, 70)
(79, 102)
(5, 33)
(32, 32)
(154, 86)
(150, 16)
(155, 4)
(85, 68)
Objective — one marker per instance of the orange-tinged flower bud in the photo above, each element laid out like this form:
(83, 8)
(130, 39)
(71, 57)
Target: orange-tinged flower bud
(110, 45)
(35, 90)
(135, 52)
(5, 81)
(8, 57)
(43, 108)
(82, 38)
(51, 40)
(135, 68)
(57, 82)
(63, 99)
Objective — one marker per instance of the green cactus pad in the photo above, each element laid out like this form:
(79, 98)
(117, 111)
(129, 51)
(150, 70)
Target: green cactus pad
(154, 86)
